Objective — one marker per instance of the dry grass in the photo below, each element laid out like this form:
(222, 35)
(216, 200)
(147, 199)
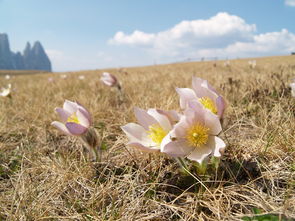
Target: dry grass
(44, 175)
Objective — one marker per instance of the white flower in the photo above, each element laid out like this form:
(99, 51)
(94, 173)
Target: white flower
(195, 135)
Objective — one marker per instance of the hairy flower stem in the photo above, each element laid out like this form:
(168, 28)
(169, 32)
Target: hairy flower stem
(181, 163)
(91, 141)
(120, 92)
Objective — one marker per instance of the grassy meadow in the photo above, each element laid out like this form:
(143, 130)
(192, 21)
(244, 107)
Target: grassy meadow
(45, 175)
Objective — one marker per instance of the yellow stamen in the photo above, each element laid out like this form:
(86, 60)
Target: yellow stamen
(197, 135)
(209, 104)
(156, 133)
(73, 118)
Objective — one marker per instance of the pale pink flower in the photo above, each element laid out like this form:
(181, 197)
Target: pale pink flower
(205, 94)
(252, 63)
(109, 79)
(195, 135)
(75, 119)
(6, 92)
(153, 126)
(81, 77)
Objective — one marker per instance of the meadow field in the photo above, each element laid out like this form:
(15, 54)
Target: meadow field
(46, 175)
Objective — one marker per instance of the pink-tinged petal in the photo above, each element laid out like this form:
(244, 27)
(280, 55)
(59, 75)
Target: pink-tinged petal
(61, 127)
(144, 118)
(137, 134)
(175, 148)
(83, 120)
(108, 79)
(63, 114)
(172, 115)
(219, 147)
(195, 112)
(185, 94)
(180, 129)
(161, 118)
(200, 153)
(85, 112)
(220, 103)
(76, 129)
(70, 107)
(143, 148)
(212, 122)
(199, 82)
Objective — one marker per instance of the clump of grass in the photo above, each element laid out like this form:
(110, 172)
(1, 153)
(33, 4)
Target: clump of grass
(44, 175)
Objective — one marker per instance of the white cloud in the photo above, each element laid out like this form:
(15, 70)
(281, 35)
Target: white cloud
(290, 2)
(136, 38)
(221, 35)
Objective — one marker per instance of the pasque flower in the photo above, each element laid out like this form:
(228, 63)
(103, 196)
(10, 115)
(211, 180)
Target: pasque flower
(109, 79)
(203, 93)
(6, 92)
(75, 119)
(195, 135)
(153, 126)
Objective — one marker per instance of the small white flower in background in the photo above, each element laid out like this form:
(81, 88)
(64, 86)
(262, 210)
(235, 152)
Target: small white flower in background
(227, 63)
(292, 85)
(63, 76)
(252, 63)
(195, 135)
(81, 77)
(7, 77)
(205, 94)
(109, 79)
(153, 126)
(6, 92)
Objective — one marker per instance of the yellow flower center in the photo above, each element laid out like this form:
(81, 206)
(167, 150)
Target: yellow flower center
(73, 118)
(156, 133)
(209, 104)
(197, 135)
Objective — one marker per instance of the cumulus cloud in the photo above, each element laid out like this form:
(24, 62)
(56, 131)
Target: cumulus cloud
(220, 35)
(290, 2)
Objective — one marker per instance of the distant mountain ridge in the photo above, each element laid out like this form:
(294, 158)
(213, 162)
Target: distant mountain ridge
(33, 58)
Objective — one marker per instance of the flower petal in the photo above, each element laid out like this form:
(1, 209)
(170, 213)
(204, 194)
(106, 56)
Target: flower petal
(185, 94)
(61, 127)
(220, 106)
(144, 118)
(85, 112)
(63, 114)
(195, 112)
(172, 115)
(137, 134)
(176, 148)
(143, 148)
(84, 121)
(70, 106)
(161, 118)
(76, 129)
(200, 153)
(212, 122)
(219, 147)
(180, 128)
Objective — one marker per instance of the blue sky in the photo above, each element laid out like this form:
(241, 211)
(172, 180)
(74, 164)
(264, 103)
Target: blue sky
(79, 35)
